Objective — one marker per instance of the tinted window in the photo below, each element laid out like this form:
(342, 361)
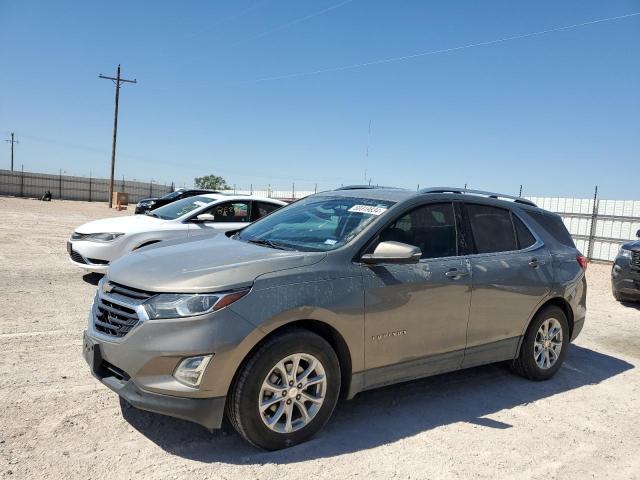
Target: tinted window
(525, 237)
(231, 212)
(492, 229)
(262, 209)
(431, 228)
(554, 225)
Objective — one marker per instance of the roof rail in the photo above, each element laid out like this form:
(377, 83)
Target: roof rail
(360, 187)
(477, 192)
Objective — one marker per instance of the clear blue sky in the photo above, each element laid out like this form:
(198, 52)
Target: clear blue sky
(558, 112)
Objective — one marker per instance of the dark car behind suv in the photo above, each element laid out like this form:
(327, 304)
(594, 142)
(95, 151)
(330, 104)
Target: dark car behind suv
(625, 274)
(147, 204)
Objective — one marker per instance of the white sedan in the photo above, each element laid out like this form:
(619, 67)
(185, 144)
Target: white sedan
(96, 244)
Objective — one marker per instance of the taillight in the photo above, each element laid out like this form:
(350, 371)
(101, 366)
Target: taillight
(582, 261)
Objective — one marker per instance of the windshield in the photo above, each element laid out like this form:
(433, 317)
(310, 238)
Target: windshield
(171, 195)
(315, 224)
(180, 207)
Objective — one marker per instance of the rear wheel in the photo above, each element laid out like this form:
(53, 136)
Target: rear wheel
(544, 345)
(286, 391)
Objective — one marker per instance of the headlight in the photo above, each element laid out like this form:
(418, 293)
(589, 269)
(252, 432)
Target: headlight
(176, 305)
(146, 204)
(102, 237)
(625, 253)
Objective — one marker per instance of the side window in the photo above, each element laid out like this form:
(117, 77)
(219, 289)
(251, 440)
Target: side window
(492, 228)
(262, 209)
(231, 212)
(525, 237)
(432, 228)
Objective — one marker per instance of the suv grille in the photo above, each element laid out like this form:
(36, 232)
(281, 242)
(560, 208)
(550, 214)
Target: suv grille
(116, 310)
(635, 260)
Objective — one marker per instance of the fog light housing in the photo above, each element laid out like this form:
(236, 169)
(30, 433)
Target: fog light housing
(189, 371)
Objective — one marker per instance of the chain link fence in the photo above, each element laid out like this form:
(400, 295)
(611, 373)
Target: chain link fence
(67, 187)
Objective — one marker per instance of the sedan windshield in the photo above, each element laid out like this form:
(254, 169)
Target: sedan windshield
(180, 207)
(174, 194)
(318, 223)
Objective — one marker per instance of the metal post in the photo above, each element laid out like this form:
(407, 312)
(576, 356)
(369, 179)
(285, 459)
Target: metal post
(22, 182)
(123, 183)
(151, 188)
(520, 194)
(89, 186)
(60, 184)
(251, 189)
(315, 189)
(293, 191)
(594, 220)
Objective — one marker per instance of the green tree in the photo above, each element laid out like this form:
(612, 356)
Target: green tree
(212, 182)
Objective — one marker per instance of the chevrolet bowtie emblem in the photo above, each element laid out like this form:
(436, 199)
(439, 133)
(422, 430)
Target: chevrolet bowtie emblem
(106, 287)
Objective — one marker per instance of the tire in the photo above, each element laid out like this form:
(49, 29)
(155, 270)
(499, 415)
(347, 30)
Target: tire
(261, 371)
(528, 362)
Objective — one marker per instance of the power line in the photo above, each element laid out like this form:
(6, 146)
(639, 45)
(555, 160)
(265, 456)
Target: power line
(117, 81)
(12, 141)
(435, 52)
(293, 22)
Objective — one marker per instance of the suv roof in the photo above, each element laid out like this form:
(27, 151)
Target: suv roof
(400, 194)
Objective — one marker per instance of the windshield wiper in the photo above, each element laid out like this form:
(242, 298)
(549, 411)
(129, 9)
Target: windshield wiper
(270, 244)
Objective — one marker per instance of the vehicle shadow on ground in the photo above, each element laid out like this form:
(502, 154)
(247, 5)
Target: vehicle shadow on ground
(635, 305)
(388, 414)
(92, 278)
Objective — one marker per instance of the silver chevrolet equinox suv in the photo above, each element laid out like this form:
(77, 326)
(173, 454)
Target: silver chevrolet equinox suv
(344, 291)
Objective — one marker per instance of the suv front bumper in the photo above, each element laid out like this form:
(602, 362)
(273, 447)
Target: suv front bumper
(207, 412)
(625, 280)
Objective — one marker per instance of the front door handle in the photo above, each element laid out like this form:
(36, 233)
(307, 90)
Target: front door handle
(535, 263)
(455, 273)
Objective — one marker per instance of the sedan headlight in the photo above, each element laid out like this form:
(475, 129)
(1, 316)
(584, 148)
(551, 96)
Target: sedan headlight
(176, 305)
(146, 204)
(625, 253)
(102, 237)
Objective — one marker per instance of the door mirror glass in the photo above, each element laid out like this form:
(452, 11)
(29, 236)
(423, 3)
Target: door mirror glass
(638, 234)
(393, 252)
(205, 217)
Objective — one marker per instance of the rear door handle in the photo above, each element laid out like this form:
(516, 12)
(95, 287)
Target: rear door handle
(455, 273)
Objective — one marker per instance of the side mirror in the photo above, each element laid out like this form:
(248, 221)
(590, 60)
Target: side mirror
(393, 252)
(638, 234)
(204, 217)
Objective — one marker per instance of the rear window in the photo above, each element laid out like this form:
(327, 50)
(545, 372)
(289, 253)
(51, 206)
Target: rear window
(554, 225)
(492, 229)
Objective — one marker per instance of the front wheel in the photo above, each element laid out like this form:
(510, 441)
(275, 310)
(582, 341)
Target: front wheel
(544, 346)
(286, 391)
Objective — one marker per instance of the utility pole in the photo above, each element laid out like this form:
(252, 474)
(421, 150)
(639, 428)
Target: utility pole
(117, 82)
(13, 141)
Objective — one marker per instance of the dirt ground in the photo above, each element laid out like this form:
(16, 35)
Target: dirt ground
(57, 421)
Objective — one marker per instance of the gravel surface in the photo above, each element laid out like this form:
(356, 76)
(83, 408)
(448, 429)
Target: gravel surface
(57, 421)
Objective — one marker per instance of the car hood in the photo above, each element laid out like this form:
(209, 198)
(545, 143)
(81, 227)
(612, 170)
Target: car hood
(155, 199)
(209, 264)
(129, 224)
(634, 245)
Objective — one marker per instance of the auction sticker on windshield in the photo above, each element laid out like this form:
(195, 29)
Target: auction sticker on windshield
(368, 209)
